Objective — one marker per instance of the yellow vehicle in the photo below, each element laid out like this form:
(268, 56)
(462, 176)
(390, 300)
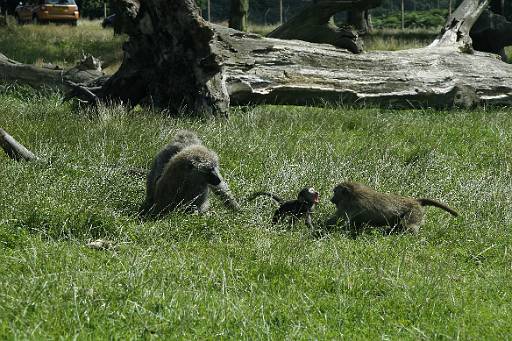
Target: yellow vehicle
(44, 11)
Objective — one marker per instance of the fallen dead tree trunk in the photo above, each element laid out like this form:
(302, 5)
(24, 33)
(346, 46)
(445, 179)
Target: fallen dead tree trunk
(14, 149)
(295, 72)
(176, 60)
(455, 32)
(314, 24)
(86, 71)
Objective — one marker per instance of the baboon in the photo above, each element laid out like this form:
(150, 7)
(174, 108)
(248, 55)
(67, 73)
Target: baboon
(182, 139)
(295, 209)
(362, 206)
(181, 176)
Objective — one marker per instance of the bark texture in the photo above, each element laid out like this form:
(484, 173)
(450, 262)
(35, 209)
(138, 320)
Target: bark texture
(169, 61)
(314, 24)
(455, 32)
(87, 70)
(175, 60)
(296, 72)
(14, 149)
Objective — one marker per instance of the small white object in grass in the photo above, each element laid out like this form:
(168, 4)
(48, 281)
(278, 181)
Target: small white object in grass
(101, 244)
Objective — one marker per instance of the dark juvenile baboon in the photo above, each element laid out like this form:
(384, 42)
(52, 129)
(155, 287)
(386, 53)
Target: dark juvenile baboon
(302, 206)
(360, 205)
(181, 176)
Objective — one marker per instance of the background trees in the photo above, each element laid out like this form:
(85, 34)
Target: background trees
(266, 12)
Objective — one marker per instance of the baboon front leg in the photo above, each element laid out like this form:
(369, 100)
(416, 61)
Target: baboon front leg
(223, 192)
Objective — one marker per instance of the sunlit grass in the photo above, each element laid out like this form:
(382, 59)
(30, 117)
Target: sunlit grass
(262, 29)
(236, 275)
(62, 45)
(392, 40)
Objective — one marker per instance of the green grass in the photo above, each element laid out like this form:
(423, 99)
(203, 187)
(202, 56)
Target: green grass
(395, 39)
(225, 275)
(262, 29)
(62, 45)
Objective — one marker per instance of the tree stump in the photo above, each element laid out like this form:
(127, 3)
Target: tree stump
(314, 24)
(14, 149)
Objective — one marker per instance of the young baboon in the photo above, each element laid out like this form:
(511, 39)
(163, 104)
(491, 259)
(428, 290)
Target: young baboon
(360, 205)
(295, 209)
(181, 176)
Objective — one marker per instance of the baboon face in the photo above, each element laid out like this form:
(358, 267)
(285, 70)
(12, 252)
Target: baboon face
(212, 176)
(309, 194)
(208, 172)
(340, 194)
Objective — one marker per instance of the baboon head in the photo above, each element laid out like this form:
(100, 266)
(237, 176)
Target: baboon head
(309, 195)
(202, 164)
(342, 193)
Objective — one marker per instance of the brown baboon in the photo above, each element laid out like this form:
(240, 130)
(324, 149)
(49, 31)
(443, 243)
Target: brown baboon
(182, 139)
(302, 206)
(181, 176)
(362, 206)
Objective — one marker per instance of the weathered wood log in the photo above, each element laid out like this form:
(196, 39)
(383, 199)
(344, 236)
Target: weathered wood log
(360, 21)
(170, 61)
(179, 60)
(455, 32)
(314, 24)
(87, 70)
(296, 72)
(175, 60)
(14, 149)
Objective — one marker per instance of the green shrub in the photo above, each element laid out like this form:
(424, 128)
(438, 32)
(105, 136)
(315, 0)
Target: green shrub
(417, 19)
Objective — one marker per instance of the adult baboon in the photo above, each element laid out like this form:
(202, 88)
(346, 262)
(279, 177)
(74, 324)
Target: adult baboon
(300, 207)
(362, 206)
(181, 175)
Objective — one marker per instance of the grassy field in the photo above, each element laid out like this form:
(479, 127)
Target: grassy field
(62, 45)
(235, 276)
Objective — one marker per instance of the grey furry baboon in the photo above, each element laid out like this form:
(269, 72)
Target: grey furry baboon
(181, 176)
(300, 207)
(362, 206)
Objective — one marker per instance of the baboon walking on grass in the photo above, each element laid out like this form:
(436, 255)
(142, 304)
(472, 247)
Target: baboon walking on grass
(181, 176)
(362, 206)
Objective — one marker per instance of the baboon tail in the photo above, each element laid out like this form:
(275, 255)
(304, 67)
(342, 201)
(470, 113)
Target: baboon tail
(268, 194)
(430, 202)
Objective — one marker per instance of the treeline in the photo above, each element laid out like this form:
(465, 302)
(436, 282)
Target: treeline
(419, 13)
(268, 11)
